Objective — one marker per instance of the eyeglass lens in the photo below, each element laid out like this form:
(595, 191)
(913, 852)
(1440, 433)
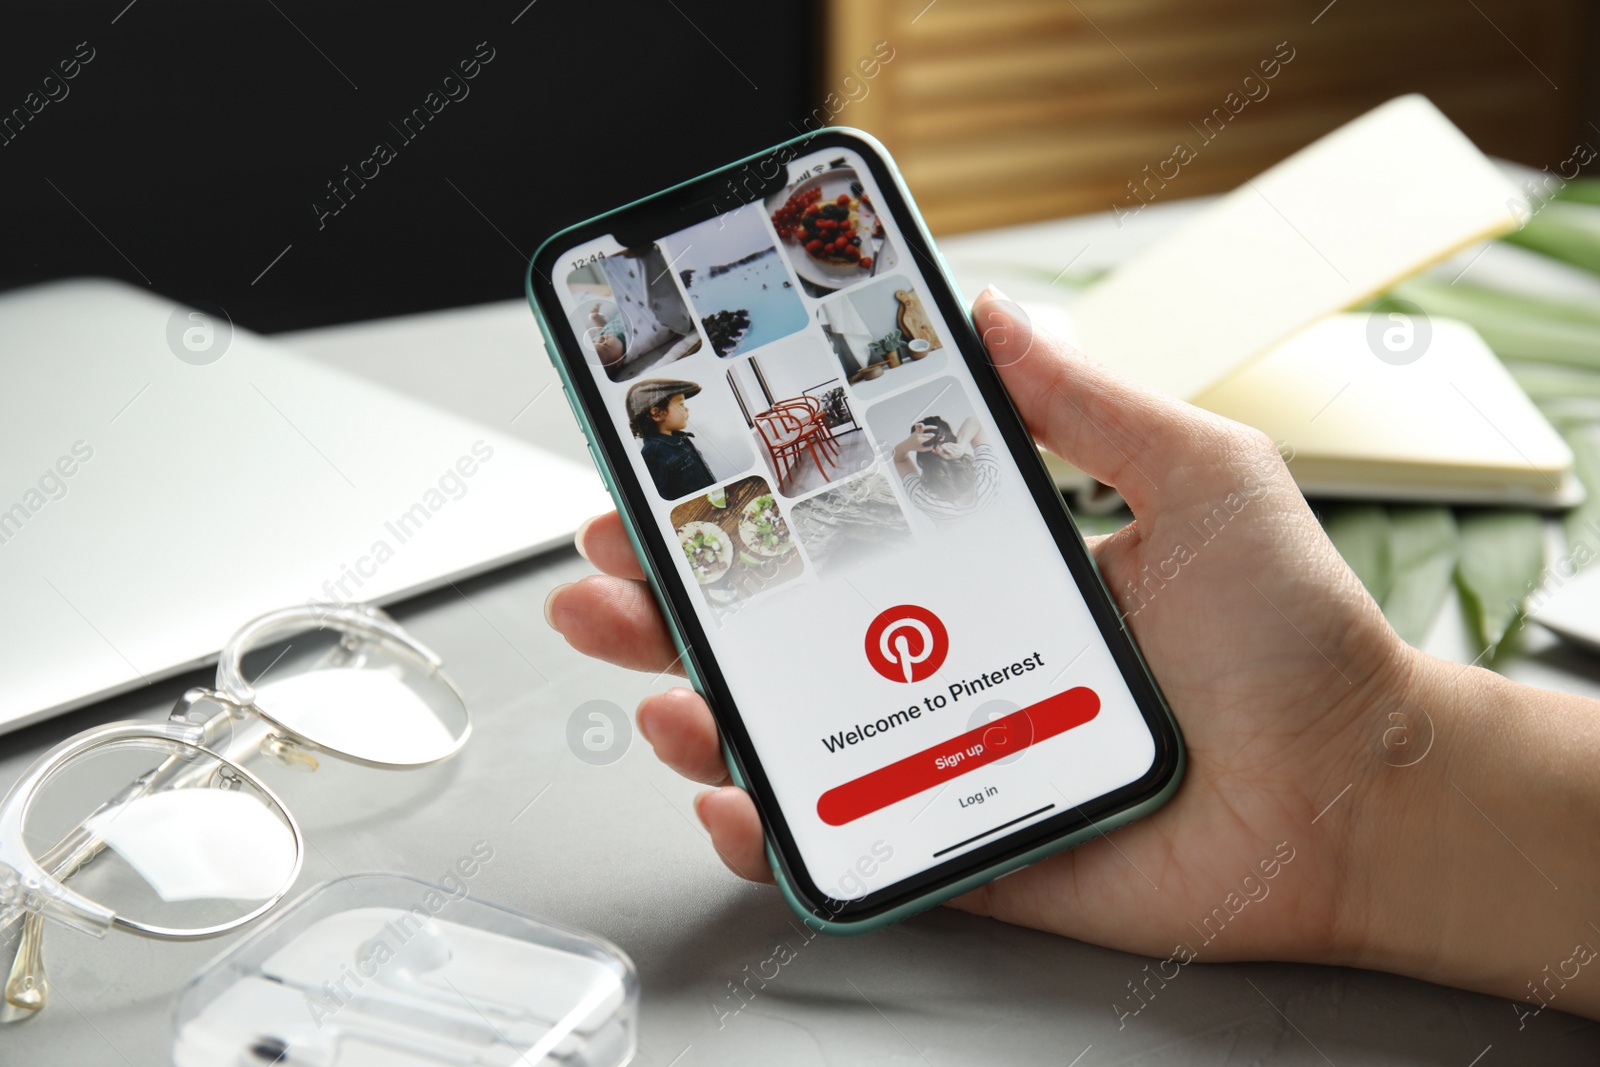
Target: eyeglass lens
(358, 698)
(161, 833)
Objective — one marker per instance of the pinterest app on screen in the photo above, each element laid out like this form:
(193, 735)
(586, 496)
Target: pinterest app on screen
(907, 643)
(914, 664)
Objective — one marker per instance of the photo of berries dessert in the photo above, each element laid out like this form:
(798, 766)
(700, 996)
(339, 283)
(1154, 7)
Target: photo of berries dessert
(827, 231)
(831, 232)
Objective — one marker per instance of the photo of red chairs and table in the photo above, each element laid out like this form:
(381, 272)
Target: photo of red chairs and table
(793, 399)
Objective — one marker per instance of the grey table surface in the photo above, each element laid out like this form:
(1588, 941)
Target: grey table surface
(616, 850)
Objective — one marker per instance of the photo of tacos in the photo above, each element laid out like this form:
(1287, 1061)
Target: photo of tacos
(737, 543)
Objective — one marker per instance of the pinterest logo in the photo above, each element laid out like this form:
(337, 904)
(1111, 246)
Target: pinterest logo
(907, 643)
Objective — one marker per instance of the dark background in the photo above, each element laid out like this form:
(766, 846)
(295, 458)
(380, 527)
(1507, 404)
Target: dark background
(199, 136)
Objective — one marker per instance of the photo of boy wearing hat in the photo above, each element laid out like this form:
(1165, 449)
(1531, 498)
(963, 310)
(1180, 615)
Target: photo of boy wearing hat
(657, 416)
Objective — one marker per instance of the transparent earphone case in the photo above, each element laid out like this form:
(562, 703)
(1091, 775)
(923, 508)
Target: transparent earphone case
(393, 970)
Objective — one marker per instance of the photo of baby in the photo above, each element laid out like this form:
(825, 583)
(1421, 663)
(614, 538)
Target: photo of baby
(736, 281)
(630, 315)
(680, 461)
(883, 336)
(851, 524)
(830, 230)
(939, 450)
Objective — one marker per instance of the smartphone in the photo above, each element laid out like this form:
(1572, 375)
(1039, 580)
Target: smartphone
(917, 672)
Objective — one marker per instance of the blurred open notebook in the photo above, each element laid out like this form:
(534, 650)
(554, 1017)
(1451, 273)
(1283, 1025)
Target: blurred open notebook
(1450, 425)
(1233, 313)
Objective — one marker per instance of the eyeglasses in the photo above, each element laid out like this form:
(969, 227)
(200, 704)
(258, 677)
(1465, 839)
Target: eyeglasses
(194, 845)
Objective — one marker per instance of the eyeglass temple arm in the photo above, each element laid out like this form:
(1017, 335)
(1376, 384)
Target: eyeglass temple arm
(26, 989)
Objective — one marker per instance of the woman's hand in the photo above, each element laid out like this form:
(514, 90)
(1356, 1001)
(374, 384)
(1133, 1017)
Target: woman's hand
(919, 440)
(1265, 644)
(1286, 680)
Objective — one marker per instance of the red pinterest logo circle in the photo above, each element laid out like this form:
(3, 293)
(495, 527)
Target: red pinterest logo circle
(907, 643)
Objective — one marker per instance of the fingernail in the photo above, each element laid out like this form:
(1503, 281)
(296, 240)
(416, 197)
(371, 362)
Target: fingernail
(992, 292)
(550, 604)
(577, 538)
(699, 800)
(646, 729)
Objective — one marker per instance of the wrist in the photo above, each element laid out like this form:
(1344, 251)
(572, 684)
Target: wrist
(1470, 860)
(1388, 765)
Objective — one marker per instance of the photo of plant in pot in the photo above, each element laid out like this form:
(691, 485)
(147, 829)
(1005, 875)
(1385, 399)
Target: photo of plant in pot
(880, 332)
(887, 348)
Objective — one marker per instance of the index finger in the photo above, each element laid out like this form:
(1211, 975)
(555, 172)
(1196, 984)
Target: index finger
(1082, 411)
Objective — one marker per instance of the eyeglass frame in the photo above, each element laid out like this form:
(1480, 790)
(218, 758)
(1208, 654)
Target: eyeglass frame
(49, 896)
(30, 893)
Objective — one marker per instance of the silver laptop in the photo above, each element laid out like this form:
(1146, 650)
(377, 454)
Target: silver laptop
(154, 494)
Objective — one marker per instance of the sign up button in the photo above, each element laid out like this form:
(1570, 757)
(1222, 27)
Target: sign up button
(967, 752)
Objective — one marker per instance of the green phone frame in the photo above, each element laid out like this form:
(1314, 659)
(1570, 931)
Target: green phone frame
(819, 919)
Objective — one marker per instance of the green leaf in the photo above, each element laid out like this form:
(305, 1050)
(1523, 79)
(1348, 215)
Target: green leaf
(1424, 545)
(1568, 231)
(1361, 534)
(1582, 521)
(1581, 191)
(1545, 381)
(1502, 561)
(1515, 326)
(1458, 299)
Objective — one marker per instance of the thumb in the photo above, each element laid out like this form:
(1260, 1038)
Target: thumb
(1115, 431)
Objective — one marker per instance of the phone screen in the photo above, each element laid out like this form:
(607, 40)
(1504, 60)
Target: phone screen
(907, 651)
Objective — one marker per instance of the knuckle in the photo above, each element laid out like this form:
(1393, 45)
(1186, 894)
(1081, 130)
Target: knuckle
(1257, 442)
(1242, 443)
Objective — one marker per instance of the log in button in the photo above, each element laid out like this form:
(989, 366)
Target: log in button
(966, 752)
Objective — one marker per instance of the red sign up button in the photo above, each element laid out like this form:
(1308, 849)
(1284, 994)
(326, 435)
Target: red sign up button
(955, 757)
